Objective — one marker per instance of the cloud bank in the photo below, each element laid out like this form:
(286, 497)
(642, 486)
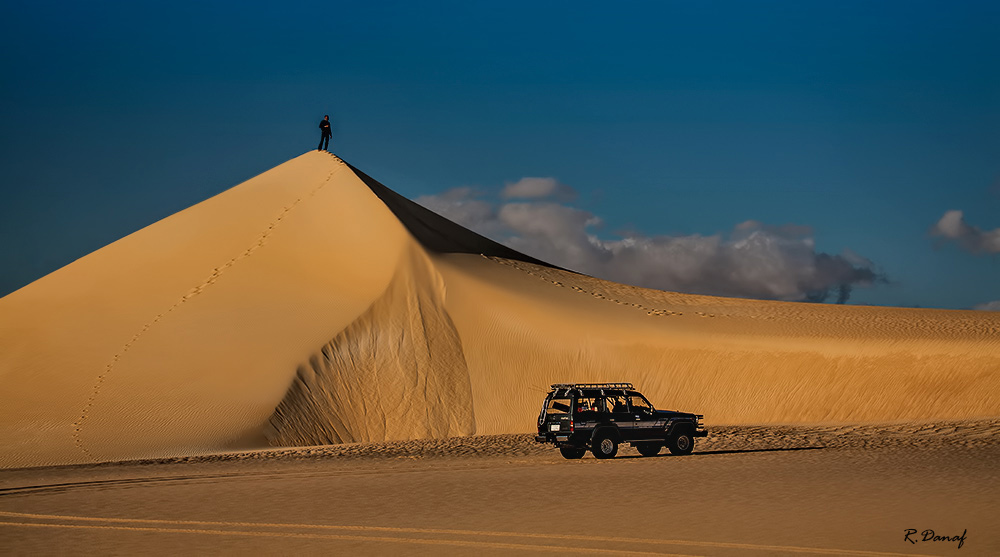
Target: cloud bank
(988, 306)
(754, 260)
(952, 226)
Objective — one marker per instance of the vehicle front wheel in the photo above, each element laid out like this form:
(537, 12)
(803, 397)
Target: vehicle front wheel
(572, 452)
(604, 446)
(681, 444)
(649, 449)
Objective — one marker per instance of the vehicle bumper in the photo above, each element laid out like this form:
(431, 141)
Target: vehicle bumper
(558, 438)
(701, 433)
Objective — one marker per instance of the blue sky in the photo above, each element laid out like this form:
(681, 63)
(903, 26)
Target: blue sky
(865, 122)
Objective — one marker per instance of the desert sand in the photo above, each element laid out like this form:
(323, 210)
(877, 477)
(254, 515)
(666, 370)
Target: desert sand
(148, 389)
(747, 490)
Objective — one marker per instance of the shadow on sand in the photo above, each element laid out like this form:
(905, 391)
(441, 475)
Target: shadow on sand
(729, 451)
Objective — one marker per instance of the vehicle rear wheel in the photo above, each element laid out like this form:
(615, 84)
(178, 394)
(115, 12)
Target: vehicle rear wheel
(681, 444)
(604, 446)
(649, 449)
(572, 452)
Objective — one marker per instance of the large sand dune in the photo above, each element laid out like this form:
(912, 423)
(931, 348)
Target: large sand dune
(312, 305)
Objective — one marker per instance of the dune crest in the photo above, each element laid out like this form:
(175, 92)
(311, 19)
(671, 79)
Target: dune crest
(396, 373)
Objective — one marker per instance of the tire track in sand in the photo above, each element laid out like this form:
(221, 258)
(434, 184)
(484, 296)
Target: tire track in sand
(205, 284)
(379, 534)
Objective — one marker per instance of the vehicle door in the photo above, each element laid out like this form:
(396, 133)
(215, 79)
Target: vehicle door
(556, 415)
(620, 416)
(644, 422)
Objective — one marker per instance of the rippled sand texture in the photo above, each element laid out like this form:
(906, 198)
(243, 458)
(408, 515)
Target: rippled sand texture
(397, 372)
(312, 305)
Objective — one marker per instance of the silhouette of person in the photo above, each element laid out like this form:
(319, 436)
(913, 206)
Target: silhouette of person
(324, 127)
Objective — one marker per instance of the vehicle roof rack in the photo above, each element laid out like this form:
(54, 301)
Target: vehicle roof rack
(560, 386)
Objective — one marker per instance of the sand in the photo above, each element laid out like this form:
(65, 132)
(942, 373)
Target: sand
(747, 490)
(311, 305)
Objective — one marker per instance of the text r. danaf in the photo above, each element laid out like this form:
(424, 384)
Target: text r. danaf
(930, 536)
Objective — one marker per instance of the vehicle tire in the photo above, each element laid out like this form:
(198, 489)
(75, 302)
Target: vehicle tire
(648, 449)
(604, 446)
(681, 443)
(572, 452)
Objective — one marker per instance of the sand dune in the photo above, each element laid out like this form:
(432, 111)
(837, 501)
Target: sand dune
(312, 305)
(737, 361)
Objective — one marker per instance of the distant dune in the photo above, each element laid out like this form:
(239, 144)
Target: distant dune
(312, 305)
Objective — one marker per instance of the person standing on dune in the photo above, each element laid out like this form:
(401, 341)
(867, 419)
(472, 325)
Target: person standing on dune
(324, 127)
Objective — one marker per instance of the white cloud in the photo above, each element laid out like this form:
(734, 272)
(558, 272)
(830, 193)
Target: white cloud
(952, 226)
(754, 260)
(537, 188)
(988, 306)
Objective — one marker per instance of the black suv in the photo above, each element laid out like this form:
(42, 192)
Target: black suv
(600, 416)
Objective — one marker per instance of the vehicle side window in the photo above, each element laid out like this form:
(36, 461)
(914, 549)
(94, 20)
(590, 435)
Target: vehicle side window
(558, 406)
(640, 404)
(617, 403)
(587, 404)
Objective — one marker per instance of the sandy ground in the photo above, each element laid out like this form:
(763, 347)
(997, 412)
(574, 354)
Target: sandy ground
(747, 490)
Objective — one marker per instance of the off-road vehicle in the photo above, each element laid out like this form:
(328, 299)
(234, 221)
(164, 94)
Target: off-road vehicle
(601, 416)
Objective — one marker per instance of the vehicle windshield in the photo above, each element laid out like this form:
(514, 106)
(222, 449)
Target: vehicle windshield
(558, 406)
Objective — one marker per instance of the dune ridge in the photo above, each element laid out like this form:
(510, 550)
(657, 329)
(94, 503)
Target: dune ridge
(438, 234)
(313, 305)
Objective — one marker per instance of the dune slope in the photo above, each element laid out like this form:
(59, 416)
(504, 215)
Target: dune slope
(397, 372)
